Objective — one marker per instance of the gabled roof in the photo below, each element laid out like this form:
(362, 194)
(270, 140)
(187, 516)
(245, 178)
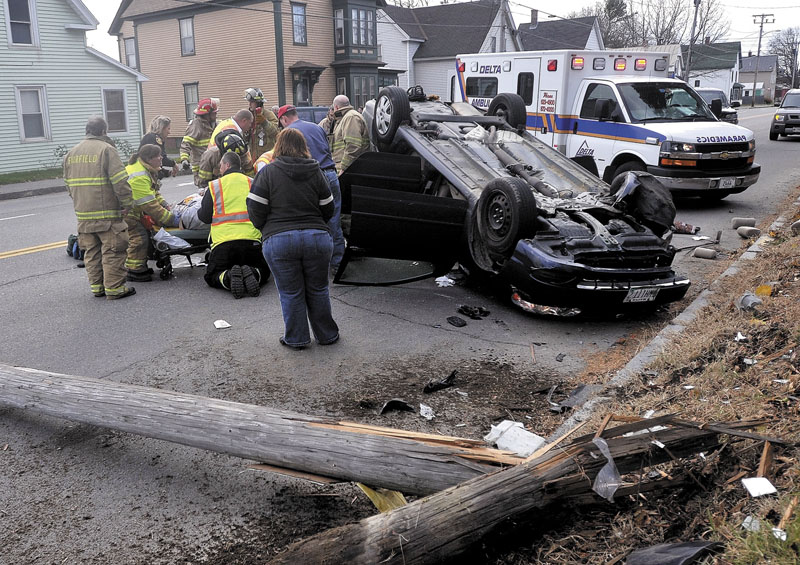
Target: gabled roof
(766, 63)
(131, 9)
(448, 29)
(713, 56)
(556, 34)
(88, 19)
(139, 76)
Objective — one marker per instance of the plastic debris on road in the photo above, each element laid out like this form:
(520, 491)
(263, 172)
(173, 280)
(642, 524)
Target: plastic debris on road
(395, 404)
(221, 324)
(456, 321)
(426, 411)
(607, 480)
(748, 301)
(434, 385)
(444, 281)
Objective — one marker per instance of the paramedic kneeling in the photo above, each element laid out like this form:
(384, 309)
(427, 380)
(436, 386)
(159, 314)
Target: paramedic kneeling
(235, 263)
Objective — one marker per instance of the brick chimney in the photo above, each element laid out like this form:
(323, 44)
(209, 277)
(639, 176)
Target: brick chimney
(534, 18)
(708, 40)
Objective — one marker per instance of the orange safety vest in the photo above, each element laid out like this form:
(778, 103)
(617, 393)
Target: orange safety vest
(230, 220)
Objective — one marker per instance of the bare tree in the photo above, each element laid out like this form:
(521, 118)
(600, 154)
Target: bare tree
(786, 44)
(613, 19)
(711, 22)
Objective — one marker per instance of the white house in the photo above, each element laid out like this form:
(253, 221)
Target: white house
(51, 82)
(714, 65)
(422, 43)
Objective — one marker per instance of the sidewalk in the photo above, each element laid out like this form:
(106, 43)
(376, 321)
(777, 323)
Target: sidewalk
(31, 188)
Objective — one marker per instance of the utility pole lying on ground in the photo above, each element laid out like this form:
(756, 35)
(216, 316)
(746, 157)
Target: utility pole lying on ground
(410, 462)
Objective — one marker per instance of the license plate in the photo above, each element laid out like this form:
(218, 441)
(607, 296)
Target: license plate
(728, 182)
(641, 295)
(789, 130)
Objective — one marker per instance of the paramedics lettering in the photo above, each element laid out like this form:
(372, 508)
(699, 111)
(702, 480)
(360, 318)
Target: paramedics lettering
(489, 70)
(82, 159)
(720, 138)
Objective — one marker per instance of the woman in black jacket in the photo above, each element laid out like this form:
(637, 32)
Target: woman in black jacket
(290, 203)
(159, 131)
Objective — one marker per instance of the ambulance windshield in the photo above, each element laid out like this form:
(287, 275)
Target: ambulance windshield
(663, 102)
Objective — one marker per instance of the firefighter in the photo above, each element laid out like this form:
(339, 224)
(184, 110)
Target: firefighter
(198, 134)
(350, 137)
(209, 164)
(240, 123)
(143, 179)
(263, 161)
(265, 124)
(236, 262)
(98, 185)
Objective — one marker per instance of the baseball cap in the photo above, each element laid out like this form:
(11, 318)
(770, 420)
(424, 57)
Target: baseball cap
(283, 109)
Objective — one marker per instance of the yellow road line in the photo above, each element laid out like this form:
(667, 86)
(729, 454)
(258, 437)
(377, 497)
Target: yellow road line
(34, 249)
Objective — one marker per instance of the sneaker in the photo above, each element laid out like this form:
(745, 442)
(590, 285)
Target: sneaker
(129, 291)
(139, 276)
(237, 282)
(250, 281)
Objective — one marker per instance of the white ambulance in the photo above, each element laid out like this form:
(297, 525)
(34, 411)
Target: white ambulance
(616, 111)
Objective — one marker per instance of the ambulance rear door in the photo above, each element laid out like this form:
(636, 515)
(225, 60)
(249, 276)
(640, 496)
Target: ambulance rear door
(539, 103)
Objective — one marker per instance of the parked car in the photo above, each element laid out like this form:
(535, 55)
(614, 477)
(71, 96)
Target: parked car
(729, 113)
(786, 120)
(449, 183)
(312, 113)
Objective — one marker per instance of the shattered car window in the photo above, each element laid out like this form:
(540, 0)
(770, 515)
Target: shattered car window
(663, 102)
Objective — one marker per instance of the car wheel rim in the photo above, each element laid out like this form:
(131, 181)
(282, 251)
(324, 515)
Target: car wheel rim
(498, 215)
(383, 115)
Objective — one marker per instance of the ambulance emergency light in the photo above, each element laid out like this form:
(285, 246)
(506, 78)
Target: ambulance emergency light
(620, 64)
(598, 63)
(577, 63)
(552, 65)
(640, 64)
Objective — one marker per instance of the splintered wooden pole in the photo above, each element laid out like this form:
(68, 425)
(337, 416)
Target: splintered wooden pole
(409, 462)
(444, 525)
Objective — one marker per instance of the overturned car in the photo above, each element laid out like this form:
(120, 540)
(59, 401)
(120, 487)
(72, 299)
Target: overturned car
(449, 184)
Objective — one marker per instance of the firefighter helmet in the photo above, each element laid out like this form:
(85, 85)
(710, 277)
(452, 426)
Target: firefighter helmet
(254, 95)
(207, 106)
(230, 141)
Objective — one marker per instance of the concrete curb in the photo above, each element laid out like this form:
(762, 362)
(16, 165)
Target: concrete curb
(18, 191)
(652, 350)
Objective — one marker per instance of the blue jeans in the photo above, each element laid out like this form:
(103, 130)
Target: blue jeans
(335, 223)
(299, 261)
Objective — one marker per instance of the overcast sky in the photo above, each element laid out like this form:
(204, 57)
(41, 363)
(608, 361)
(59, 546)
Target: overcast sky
(786, 14)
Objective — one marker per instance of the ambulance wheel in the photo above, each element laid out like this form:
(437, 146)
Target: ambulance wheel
(391, 109)
(625, 167)
(506, 213)
(510, 107)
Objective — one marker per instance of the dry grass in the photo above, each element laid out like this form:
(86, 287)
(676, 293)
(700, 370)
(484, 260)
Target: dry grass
(707, 375)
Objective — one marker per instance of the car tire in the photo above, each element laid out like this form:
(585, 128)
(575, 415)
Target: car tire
(506, 213)
(625, 167)
(773, 136)
(391, 110)
(510, 107)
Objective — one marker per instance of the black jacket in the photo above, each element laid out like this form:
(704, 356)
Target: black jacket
(290, 194)
(156, 139)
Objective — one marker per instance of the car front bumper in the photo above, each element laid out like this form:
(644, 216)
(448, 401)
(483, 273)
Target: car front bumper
(698, 182)
(785, 128)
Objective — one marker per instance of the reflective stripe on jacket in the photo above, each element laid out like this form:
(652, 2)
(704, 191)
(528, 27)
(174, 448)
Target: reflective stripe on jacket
(230, 221)
(196, 140)
(350, 138)
(97, 183)
(264, 160)
(209, 167)
(146, 198)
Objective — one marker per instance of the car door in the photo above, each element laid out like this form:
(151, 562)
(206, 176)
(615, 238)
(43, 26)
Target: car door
(398, 230)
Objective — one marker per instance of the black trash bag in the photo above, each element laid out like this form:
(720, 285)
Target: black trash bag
(642, 196)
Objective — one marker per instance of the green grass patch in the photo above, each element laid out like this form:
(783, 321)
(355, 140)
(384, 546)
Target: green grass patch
(25, 176)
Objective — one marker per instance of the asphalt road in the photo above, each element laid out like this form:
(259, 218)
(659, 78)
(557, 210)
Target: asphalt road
(164, 337)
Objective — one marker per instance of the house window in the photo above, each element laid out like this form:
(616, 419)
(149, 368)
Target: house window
(190, 99)
(21, 18)
(130, 52)
(32, 113)
(187, 36)
(363, 27)
(338, 26)
(364, 88)
(341, 86)
(696, 83)
(299, 24)
(525, 87)
(114, 109)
